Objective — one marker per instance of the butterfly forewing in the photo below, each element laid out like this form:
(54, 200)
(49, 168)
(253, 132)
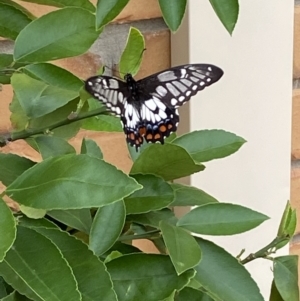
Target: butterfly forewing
(148, 107)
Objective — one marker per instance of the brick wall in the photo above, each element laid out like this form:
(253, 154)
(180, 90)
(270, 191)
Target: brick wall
(295, 151)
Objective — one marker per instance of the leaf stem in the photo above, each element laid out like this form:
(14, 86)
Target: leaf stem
(147, 235)
(265, 251)
(31, 132)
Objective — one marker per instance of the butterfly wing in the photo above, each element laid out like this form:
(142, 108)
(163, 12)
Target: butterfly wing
(162, 93)
(115, 94)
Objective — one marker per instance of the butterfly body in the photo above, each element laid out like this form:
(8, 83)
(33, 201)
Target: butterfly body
(148, 107)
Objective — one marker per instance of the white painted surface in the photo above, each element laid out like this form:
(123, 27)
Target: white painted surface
(252, 100)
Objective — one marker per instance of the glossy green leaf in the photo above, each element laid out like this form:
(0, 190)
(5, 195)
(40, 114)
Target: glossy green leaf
(108, 10)
(36, 223)
(208, 145)
(104, 123)
(190, 196)
(286, 277)
(26, 269)
(275, 296)
(32, 212)
(12, 21)
(153, 218)
(167, 161)
(173, 12)
(150, 275)
(19, 7)
(38, 98)
(64, 37)
(54, 76)
(65, 3)
(156, 194)
(7, 229)
(93, 280)
(18, 117)
(122, 248)
(221, 219)
(189, 294)
(71, 182)
(227, 11)
(182, 247)
(107, 227)
(12, 166)
(79, 219)
(133, 53)
(91, 148)
(15, 296)
(51, 146)
(58, 116)
(5, 59)
(213, 269)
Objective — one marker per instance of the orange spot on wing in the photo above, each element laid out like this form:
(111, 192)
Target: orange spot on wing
(131, 136)
(149, 136)
(142, 131)
(157, 136)
(170, 126)
(163, 128)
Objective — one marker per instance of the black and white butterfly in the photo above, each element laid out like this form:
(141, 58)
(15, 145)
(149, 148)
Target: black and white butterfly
(148, 107)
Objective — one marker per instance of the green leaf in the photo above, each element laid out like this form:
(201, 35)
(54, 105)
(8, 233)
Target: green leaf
(71, 182)
(15, 296)
(182, 247)
(79, 219)
(12, 166)
(108, 10)
(93, 280)
(190, 196)
(38, 98)
(275, 296)
(7, 229)
(286, 277)
(50, 146)
(65, 3)
(19, 7)
(107, 227)
(58, 116)
(138, 275)
(26, 269)
(153, 218)
(213, 270)
(189, 294)
(91, 148)
(64, 37)
(35, 223)
(5, 59)
(156, 194)
(132, 55)
(227, 11)
(12, 21)
(104, 123)
(54, 76)
(173, 12)
(18, 117)
(221, 219)
(32, 212)
(208, 145)
(167, 161)
(122, 248)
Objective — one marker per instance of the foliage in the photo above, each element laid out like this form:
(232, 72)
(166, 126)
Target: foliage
(79, 214)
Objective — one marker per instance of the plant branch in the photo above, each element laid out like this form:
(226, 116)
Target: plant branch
(73, 117)
(265, 251)
(146, 235)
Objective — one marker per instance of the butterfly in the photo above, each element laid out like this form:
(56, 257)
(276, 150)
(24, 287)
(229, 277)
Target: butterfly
(148, 107)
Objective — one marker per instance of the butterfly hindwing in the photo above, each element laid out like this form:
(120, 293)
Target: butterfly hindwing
(148, 107)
